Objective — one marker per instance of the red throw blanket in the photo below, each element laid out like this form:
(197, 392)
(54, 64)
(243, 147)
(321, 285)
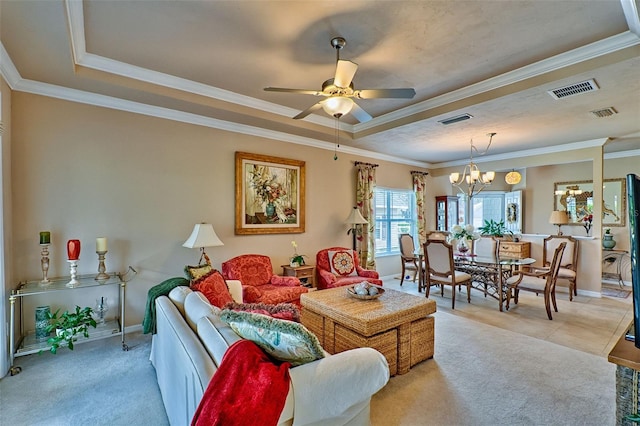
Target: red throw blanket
(248, 389)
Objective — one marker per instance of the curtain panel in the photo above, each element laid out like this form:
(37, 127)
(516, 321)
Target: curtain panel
(365, 195)
(420, 189)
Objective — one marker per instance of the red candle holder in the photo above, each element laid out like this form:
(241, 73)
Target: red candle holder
(73, 249)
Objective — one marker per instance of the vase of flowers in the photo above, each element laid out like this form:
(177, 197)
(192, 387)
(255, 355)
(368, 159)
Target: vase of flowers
(463, 237)
(587, 222)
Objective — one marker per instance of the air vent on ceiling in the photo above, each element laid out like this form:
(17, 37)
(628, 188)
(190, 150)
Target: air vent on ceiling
(455, 119)
(604, 112)
(573, 89)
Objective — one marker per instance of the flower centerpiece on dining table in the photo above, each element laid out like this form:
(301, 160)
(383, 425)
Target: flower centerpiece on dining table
(463, 235)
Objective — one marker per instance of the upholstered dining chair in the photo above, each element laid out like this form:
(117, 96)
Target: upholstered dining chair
(440, 270)
(486, 247)
(437, 235)
(408, 258)
(540, 281)
(568, 263)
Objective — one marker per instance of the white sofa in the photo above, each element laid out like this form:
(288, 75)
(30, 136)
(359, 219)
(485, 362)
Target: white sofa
(190, 343)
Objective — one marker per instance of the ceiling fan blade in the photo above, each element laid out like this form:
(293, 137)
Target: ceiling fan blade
(360, 114)
(302, 91)
(345, 70)
(308, 111)
(385, 93)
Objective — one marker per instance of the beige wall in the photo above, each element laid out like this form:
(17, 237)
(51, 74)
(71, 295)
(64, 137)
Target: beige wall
(83, 172)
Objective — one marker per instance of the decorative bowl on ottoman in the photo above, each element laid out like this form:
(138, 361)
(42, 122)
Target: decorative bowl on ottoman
(365, 291)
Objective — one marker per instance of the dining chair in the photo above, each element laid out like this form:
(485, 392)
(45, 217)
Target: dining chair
(486, 247)
(408, 258)
(538, 281)
(437, 235)
(440, 270)
(568, 262)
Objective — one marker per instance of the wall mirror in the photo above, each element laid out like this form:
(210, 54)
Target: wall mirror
(576, 198)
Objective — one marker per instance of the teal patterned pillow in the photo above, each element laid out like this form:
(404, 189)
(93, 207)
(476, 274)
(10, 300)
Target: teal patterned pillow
(283, 340)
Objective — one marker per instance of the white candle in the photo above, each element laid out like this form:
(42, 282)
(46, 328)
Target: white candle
(101, 244)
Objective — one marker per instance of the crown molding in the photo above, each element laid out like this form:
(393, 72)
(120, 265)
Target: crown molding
(82, 58)
(572, 57)
(75, 18)
(527, 153)
(621, 154)
(8, 69)
(630, 10)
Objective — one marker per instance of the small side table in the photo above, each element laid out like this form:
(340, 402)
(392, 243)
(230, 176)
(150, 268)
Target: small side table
(615, 256)
(305, 273)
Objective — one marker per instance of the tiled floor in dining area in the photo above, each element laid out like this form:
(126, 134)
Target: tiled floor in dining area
(588, 324)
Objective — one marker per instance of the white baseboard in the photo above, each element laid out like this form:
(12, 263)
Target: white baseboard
(133, 328)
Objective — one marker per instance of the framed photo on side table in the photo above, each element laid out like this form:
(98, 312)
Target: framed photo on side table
(270, 194)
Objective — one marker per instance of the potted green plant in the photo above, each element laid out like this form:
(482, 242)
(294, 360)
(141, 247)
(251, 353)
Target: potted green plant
(69, 326)
(495, 229)
(297, 259)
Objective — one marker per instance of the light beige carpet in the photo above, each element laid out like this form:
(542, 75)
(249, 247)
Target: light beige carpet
(484, 375)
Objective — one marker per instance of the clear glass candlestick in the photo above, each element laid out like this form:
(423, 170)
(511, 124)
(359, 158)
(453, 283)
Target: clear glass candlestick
(101, 309)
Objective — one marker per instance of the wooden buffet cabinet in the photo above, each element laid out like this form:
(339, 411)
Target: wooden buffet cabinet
(515, 250)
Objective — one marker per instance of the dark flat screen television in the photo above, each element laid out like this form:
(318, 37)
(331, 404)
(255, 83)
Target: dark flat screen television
(633, 201)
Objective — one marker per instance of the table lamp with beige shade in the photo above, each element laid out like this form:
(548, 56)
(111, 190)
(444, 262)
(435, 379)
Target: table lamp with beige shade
(203, 236)
(559, 218)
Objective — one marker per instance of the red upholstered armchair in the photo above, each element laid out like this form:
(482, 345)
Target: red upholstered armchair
(346, 269)
(259, 283)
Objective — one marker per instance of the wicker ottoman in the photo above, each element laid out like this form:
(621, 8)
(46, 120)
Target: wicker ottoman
(398, 325)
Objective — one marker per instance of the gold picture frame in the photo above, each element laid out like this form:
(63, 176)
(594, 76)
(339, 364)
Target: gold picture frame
(576, 198)
(270, 195)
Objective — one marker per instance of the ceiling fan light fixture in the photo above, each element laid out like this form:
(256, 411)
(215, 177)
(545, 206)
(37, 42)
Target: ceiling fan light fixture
(337, 106)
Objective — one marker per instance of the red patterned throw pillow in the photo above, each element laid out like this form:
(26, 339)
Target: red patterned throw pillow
(342, 263)
(214, 288)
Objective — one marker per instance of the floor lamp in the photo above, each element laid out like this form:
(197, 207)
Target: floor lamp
(354, 219)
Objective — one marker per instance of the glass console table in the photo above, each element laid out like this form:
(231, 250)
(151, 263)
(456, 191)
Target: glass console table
(28, 343)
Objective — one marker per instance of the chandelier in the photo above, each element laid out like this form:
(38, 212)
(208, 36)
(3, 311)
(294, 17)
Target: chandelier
(473, 181)
(570, 192)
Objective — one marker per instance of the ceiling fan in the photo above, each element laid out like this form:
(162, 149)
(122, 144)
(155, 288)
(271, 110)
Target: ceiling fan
(339, 90)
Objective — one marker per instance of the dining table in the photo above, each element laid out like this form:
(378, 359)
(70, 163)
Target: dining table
(489, 273)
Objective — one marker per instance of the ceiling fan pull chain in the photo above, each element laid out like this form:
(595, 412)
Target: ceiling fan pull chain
(337, 138)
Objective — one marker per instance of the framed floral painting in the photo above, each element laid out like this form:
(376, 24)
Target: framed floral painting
(269, 194)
